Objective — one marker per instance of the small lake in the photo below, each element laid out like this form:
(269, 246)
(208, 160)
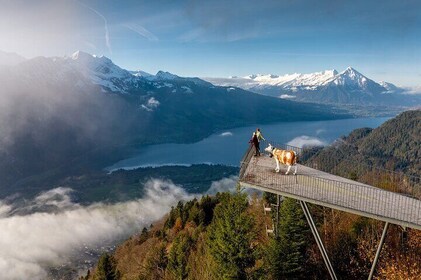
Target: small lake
(228, 147)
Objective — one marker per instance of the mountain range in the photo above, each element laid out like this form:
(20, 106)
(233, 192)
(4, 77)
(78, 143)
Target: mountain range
(330, 86)
(7, 58)
(70, 114)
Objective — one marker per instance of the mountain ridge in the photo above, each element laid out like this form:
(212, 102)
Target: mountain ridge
(65, 115)
(329, 86)
(10, 58)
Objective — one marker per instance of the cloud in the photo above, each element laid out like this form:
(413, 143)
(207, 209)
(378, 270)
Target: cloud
(225, 134)
(59, 197)
(223, 185)
(4, 209)
(287, 96)
(107, 34)
(304, 140)
(33, 242)
(142, 31)
(151, 104)
(413, 90)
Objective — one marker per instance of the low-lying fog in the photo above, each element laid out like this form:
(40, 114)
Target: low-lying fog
(53, 231)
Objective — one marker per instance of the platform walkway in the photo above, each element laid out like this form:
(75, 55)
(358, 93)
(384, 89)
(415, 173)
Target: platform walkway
(321, 188)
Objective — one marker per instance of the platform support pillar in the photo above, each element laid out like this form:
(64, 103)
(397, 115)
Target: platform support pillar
(278, 203)
(319, 242)
(379, 248)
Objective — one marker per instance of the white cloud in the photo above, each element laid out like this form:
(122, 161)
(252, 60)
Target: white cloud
(413, 90)
(151, 104)
(287, 96)
(224, 185)
(4, 209)
(304, 140)
(225, 134)
(59, 197)
(106, 34)
(142, 31)
(30, 243)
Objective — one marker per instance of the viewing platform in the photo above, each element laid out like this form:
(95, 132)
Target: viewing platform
(321, 188)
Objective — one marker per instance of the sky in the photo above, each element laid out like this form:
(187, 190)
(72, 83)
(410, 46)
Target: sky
(219, 38)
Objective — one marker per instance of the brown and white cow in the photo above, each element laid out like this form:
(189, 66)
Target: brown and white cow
(286, 157)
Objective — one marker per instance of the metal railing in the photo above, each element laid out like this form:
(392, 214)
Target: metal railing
(246, 160)
(380, 177)
(347, 196)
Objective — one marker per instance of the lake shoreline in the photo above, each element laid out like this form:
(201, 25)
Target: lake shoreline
(215, 148)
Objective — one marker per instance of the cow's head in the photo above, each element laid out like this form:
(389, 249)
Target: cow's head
(269, 149)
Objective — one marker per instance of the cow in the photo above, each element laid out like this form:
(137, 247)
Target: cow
(286, 157)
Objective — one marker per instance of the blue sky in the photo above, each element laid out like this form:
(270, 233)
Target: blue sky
(381, 39)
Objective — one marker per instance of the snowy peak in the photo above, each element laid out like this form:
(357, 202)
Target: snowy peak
(140, 73)
(349, 77)
(352, 74)
(346, 87)
(10, 59)
(81, 55)
(100, 70)
(91, 60)
(162, 75)
(390, 88)
(296, 80)
(95, 63)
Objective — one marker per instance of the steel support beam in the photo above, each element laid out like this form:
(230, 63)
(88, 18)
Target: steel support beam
(379, 248)
(318, 239)
(278, 204)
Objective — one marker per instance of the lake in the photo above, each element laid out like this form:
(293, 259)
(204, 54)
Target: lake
(228, 147)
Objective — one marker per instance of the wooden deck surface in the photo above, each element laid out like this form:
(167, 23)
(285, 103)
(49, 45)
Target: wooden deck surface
(332, 191)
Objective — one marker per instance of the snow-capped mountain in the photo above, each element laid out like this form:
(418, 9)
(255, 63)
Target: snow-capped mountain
(8, 59)
(69, 111)
(391, 88)
(310, 81)
(101, 71)
(330, 86)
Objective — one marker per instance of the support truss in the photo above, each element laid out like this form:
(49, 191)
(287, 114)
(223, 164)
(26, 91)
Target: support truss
(379, 248)
(318, 239)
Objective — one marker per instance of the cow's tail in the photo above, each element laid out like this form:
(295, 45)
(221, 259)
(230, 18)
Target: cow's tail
(295, 157)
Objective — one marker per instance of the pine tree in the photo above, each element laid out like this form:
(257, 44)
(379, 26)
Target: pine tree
(106, 269)
(286, 253)
(155, 263)
(230, 237)
(178, 256)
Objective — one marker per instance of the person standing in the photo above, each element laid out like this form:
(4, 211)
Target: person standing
(255, 141)
(259, 135)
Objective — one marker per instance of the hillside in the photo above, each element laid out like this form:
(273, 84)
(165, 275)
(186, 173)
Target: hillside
(395, 145)
(224, 237)
(124, 185)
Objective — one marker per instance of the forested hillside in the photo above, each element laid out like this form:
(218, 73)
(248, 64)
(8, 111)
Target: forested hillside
(224, 236)
(395, 145)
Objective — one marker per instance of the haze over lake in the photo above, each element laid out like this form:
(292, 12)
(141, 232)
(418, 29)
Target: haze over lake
(227, 147)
